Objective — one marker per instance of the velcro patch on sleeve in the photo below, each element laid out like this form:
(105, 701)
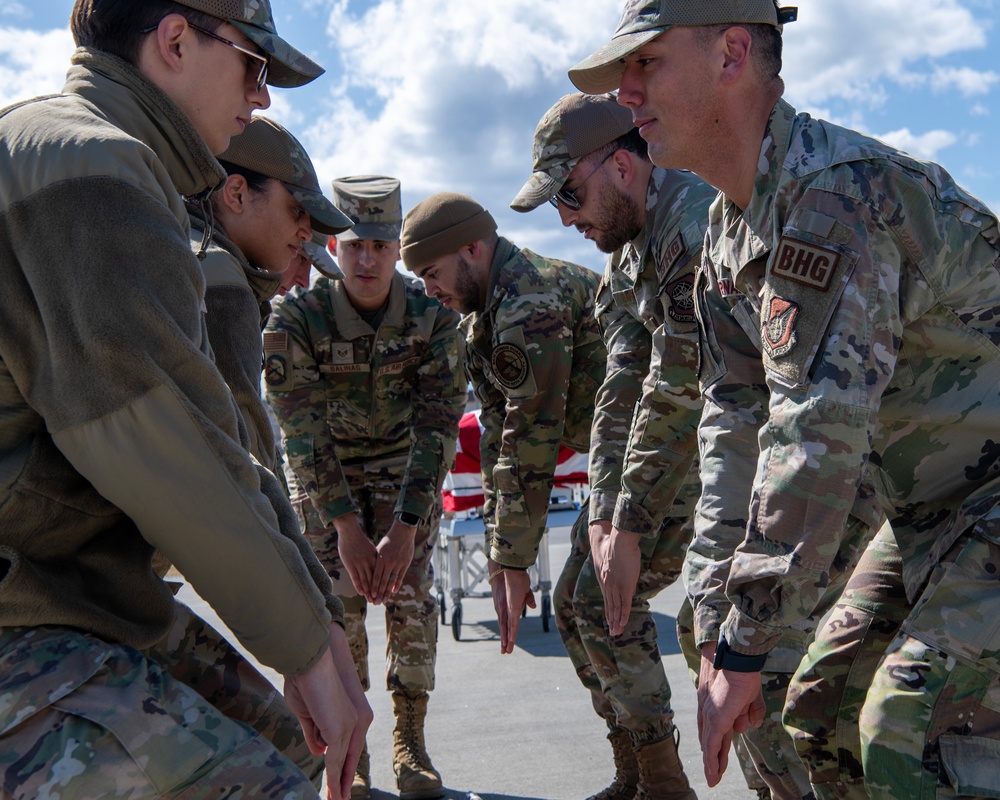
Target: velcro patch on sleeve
(680, 299)
(671, 256)
(805, 263)
(510, 365)
(275, 341)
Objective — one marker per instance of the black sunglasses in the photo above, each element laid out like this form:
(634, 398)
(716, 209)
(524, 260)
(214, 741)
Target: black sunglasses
(568, 196)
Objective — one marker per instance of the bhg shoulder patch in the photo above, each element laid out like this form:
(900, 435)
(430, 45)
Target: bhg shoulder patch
(805, 281)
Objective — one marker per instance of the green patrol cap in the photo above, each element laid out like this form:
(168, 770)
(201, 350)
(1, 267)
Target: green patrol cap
(643, 20)
(373, 202)
(442, 224)
(574, 127)
(266, 147)
(287, 66)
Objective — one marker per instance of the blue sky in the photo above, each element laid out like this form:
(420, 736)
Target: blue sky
(445, 94)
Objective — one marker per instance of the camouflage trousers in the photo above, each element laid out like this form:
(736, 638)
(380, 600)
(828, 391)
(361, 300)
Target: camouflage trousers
(411, 613)
(829, 689)
(624, 674)
(83, 718)
(924, 686)
(770, 756)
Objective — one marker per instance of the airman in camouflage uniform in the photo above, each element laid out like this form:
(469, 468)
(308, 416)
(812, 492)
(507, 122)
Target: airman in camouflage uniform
(535, 360)
(851, 346)
(366, 376)
(147, 454)
(591, 164)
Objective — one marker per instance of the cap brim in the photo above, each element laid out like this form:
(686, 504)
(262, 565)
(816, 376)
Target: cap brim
(288, 67)
(322, 260)
(380, 232)
(541, 187)
(602, 71)
(325, 216)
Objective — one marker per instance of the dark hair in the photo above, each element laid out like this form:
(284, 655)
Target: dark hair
(256, 182)
(766, 47)
(630, 141)
(114, 25)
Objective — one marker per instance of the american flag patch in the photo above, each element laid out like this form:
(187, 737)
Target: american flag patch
(275, 340)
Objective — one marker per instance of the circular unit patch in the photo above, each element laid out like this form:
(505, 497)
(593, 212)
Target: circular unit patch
(275, 370)
(510, 365)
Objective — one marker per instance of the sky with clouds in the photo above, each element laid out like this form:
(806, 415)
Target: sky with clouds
(445, 94)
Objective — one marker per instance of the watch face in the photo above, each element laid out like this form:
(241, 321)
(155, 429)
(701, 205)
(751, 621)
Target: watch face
(408, 519)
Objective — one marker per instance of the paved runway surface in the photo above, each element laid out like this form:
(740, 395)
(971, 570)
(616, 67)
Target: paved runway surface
(520, 726)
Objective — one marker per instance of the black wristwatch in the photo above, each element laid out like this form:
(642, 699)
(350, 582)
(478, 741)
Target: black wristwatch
(737, 662)
(408, 519)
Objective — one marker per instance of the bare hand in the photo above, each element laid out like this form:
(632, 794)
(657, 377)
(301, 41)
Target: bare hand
(395, 552)
(511, 593)
(728, 703)
(348, 673)
(332, 718)
(357, 553)
(617, 561)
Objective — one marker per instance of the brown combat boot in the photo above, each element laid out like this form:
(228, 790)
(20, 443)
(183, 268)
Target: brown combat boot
(626, 780)
(661, 774)
(361, 789)
(416, 777)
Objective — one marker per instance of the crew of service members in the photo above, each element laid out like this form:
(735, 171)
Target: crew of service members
(795, 344)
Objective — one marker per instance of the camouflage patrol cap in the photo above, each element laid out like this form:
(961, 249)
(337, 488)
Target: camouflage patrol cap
(266, 147)
(442, 224)
(373, 203)
(287, 66)
(320, 257)
(644, 20)
(574, 127)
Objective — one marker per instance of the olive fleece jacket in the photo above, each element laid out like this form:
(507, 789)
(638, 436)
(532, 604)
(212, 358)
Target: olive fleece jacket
(117, 433)
(237, 297)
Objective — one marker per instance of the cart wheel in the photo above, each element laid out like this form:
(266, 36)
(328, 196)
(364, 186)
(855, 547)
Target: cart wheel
(444, 607)
(456, 623)
(546, 611)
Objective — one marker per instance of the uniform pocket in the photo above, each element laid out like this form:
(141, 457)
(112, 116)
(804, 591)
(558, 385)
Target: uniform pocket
(971, 764)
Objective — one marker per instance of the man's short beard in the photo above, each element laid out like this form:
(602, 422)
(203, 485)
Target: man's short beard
(616, 220)
(468, 294)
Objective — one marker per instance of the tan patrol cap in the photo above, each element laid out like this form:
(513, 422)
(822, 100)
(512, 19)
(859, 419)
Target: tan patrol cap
(644, 20)
(443, 223)
(374, 205)
(287, 66)
(320, 257)
(266, 147)
(574, 127)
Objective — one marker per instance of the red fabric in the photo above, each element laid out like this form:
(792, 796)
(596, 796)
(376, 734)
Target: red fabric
(463, 485)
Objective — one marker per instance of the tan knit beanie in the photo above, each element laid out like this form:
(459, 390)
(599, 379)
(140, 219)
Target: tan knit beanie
(443, 223)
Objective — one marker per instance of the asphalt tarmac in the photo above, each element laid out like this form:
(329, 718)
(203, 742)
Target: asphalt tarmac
(520, 726)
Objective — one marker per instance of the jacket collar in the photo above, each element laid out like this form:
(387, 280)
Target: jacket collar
(145, 112)
(349, 322)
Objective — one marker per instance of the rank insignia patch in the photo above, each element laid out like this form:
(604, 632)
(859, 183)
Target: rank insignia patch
(275, 370)
(779, 330)
(681, 294)
(510, 365)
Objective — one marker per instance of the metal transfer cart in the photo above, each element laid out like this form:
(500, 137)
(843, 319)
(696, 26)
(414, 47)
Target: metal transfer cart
(461, 564)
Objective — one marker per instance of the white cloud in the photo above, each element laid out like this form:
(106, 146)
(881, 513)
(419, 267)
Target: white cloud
(32, 62)
(925, 146)
(979, 110)
(848, 50)
(14, 9)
